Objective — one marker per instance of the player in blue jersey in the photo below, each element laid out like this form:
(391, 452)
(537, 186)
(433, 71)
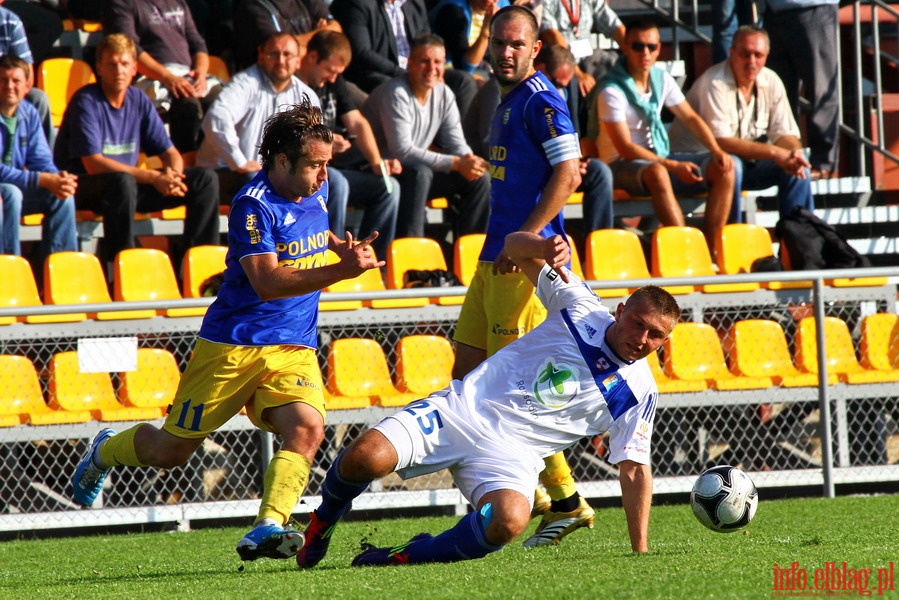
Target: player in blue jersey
(579, 373)
(257, 344)
(535, 166)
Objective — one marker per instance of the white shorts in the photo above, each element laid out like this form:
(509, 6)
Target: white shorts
(429, 435)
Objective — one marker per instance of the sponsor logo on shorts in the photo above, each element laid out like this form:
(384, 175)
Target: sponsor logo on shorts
(500, 330)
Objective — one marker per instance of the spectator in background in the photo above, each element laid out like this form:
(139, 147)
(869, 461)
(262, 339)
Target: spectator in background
(233, 124)
(104, 129)
(727, 16)
(172, 60)
(570, 24)
(42, 20)
(634, 141)
(357, 172)
(14, 41)
(380, 32)
(464, 26)
(29, 181)
(804, 52)
(413, 113)
(255, 20)
(746, 107)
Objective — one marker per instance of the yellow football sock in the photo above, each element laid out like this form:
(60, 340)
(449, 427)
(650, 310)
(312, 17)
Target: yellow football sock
(285, 480)
(119, 450)
(556, 477)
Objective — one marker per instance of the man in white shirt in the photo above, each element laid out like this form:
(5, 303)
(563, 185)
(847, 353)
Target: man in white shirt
(747, 109)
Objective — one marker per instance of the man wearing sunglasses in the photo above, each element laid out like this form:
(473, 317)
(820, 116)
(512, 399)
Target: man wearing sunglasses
(634, 141)
(747, 109)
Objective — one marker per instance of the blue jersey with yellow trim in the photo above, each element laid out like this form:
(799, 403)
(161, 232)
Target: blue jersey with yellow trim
(530, 132)
(262, 222)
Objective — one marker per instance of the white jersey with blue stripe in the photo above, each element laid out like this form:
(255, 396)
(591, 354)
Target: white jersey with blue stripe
(562, 381)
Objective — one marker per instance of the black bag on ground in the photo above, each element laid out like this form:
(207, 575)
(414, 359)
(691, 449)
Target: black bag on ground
(812, 244)
(429, 278)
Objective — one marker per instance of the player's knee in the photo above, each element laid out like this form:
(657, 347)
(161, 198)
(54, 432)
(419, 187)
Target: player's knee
(370, 457)
(503, 529)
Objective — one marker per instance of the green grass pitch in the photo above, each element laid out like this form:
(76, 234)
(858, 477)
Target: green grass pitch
(686, 560)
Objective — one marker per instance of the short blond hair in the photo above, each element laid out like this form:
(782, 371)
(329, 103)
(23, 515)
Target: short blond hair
(116, 43)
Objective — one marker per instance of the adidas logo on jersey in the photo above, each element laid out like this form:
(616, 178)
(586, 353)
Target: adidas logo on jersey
(590, 331)
(290, 219)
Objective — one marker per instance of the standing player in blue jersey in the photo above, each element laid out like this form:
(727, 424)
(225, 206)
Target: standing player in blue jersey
(535, 166)
(257, 344)
(579, 373)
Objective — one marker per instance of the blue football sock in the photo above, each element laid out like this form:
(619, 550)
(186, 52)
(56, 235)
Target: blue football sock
(465, 541)
(337, 494)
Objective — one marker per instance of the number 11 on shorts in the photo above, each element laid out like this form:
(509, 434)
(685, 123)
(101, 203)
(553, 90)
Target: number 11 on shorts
(428, 421)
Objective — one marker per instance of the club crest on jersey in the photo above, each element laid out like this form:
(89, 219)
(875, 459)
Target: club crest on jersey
(556, 385)
(506, 114)
(602, 363)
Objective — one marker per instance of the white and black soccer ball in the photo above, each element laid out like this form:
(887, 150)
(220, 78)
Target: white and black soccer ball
(724, 499)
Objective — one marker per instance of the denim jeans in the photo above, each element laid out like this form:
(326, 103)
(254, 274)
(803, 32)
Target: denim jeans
(58, 228)
(360, 189)
(762, 174)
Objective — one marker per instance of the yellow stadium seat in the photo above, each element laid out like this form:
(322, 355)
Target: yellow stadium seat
(199, 264)
(422, 254)
(879, 343)
(218, 68)
(466, 250)
(61, 78)
(424, 363)
(694, 352)
(21, 398)
(576, 265)
(147, 274)
(758, 348)
(668, 385)
(154, 383)
(740, 244)
(78, 278)
(839, 351)
(70, 389)
(369, 281)
(357, 367)
(684, 252)
(614, 255)
(19, 289)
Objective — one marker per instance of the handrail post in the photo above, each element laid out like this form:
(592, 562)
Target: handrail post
(823, 400)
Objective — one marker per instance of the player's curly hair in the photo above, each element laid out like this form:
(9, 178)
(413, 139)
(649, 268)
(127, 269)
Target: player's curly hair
(290, 132)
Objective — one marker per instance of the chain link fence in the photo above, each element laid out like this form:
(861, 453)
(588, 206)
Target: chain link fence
(772, 431)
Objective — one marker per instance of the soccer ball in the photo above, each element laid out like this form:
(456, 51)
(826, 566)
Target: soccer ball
(724, 499)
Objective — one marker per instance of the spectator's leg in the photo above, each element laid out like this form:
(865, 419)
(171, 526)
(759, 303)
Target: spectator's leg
(114, 196)
(370, 193)
(596, 184)
(717, 207)
(338, 195)
(791, 191)
(657, 180)
(201, 225)
(724, 25)
(470, 201)
(736, 207)
(185, 116)
(11, 197)
(415, 184)
(58, 228)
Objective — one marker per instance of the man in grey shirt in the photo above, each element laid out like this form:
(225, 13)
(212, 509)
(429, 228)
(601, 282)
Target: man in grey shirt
(415, 119)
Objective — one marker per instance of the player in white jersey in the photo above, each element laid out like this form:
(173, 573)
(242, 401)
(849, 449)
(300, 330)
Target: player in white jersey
(580, 373)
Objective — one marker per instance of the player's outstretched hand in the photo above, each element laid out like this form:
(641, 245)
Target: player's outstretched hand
(557, 254)
(356, 255)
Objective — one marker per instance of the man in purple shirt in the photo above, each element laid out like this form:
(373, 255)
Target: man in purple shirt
(105, 128)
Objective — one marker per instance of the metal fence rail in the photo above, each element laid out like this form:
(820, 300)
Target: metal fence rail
(822, 435)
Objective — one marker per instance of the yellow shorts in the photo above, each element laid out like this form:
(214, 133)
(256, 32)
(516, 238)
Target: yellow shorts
(221, 379)
(498, 310)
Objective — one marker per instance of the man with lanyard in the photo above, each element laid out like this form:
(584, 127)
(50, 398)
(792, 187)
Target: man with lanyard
(746, 107)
